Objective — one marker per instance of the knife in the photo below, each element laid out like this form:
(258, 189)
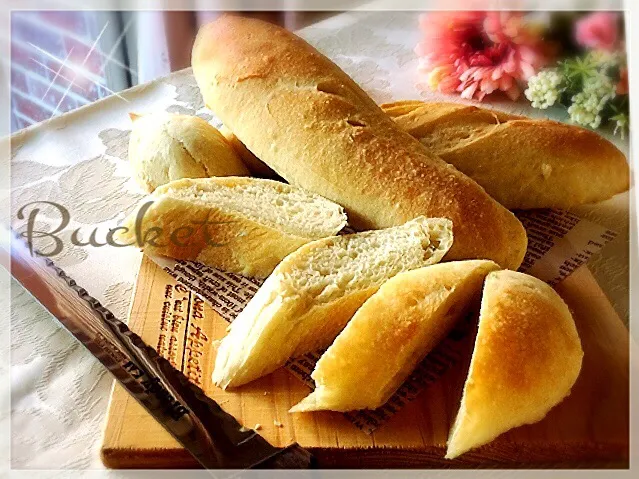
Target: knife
(212, 436)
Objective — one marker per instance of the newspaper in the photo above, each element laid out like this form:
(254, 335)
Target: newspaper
(558, 243)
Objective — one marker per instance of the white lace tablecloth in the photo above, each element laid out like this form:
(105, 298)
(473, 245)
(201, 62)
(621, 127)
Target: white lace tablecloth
(79, 160)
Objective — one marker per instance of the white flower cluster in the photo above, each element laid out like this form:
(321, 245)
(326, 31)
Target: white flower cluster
(587, 105)
(605, 59)
(543, 89)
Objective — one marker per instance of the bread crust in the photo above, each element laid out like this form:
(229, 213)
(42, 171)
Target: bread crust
(164, 147)
(256, 166)
(549, 164)
(527, 357)
(391, 333)
(230, 241)
(304, 117)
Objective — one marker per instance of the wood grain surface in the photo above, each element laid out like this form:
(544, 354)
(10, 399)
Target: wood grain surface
(588, 429)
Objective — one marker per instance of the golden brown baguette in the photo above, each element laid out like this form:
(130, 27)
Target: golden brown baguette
(237, 224)
(164, 147)
(310, 122)
(526, 359)
(391, 333)
(521, 162)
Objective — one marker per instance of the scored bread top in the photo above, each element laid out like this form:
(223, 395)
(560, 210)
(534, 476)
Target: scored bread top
(268, 202)
(310, 122)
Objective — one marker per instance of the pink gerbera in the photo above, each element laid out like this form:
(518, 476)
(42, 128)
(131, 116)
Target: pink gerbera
(477, 53)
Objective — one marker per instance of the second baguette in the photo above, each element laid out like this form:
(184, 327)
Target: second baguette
(548, 164)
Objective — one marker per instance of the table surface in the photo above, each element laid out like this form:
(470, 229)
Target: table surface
(59, 391)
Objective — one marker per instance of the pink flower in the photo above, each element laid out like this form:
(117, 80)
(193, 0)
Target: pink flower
(505, 27)
(598, 30)
(477, 53)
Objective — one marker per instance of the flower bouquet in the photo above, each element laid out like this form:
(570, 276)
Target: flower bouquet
(475, 54)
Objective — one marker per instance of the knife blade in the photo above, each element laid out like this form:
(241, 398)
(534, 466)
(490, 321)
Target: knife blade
(215, 438)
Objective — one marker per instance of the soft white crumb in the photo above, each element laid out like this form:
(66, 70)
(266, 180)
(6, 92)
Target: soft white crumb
(278, 424)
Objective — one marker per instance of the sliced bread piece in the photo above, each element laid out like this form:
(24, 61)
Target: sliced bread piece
(242, 225)
(391, 333)
(313, 293)
(527, 357)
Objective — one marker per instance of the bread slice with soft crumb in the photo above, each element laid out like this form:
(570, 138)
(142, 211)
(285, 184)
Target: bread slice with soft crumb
(391, 333)
(313, 293)
(242, 225)
(527, 357)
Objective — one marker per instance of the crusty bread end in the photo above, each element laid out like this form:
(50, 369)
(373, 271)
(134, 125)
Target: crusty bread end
(527, 357)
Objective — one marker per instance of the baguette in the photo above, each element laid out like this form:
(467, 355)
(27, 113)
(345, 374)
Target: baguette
(527, 357)
(313, 293)
(164, 147)
(549, 164)
(252, 224)
(306, 119)
(391, 333)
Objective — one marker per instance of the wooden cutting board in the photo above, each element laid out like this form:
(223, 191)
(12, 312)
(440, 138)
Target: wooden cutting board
(588, 429)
